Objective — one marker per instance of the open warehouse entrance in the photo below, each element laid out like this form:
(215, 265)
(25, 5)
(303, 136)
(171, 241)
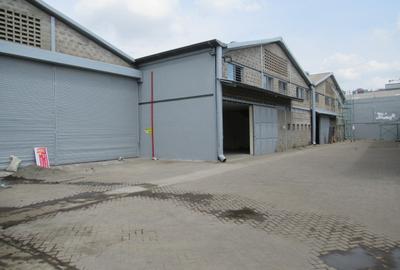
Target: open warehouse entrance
(236, 118)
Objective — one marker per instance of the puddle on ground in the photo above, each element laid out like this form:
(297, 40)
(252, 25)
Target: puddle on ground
(361, 258)
(244, 213)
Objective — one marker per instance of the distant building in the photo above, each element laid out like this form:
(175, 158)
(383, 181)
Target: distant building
(359, 91)
(329, 101)
(393, 85)
(373, 115)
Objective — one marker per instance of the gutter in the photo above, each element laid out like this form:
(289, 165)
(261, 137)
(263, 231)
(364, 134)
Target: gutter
(219, 104)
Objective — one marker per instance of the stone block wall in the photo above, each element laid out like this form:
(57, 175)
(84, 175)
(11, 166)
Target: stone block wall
(253, 61)
(294, 129)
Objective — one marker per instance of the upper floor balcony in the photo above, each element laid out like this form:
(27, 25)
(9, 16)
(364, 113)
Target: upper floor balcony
(249, 79)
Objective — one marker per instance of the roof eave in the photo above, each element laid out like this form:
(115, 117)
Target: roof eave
(81, 29)
(179, 51)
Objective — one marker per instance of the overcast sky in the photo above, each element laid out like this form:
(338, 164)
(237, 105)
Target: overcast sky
(358, 40)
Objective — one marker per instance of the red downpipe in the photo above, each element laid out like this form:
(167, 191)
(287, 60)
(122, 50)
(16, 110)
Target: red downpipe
(152, 114)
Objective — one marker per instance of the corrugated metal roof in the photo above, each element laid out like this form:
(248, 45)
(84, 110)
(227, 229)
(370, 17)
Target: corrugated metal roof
(82, 30)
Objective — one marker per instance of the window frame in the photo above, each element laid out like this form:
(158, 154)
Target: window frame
(268, 81)
(284, 90)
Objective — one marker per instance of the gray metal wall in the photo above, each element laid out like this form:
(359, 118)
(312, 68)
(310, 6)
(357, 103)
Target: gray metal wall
(184, 112)
(324, 124)
(265, 129)
(373, 118)
(79, 115)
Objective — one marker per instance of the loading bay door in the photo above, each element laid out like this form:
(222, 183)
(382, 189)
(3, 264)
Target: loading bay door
(265, 135)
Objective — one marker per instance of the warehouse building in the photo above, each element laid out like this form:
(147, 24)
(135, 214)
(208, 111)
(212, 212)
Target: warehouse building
(64, 88)
(329, 103)
(374, 115)
(210, 99)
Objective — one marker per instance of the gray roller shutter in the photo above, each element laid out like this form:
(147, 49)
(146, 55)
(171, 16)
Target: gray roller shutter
(79, 115)
(97, 116)
(324, 125)
(26, 109)
(265, 130)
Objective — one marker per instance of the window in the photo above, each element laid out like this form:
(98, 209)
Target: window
(307, 94)
(316, 98)
(300, 92)
(282, 87)
(268, 82)
(234, 72)
(288, 126)
(19, 28)
(327, 101)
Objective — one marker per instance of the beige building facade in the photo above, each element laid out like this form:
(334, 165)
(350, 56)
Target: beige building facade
(329, 102)
(269, 66)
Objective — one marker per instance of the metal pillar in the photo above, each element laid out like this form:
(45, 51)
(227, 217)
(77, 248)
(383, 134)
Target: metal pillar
(218, 99)
(314, 116)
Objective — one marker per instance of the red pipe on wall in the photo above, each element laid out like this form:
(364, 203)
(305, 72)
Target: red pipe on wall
(152, 114)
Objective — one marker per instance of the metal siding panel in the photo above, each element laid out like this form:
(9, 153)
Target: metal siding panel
(183, 129)
(27, 109)
(265, 130)
(183, 77)
(96, 116)
(369, 117)
(324, 124)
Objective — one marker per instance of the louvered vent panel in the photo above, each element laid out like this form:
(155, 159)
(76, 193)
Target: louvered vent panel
(275, 63)
(19, 28)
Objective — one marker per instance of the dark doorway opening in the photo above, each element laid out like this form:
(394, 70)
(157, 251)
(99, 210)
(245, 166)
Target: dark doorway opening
(236, 128)
(317, 129)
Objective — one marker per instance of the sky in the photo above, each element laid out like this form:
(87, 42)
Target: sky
(358, 40)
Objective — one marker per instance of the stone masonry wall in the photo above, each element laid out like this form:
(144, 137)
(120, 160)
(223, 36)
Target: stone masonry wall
(294, 129)
(71, 42)
(68, 40)
(251, 57)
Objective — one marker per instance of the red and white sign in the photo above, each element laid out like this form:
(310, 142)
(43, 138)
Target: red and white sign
(41, 156)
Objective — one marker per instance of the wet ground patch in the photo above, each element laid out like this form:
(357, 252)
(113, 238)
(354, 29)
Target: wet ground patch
(244, 213)
(14, 180)
(188, 197)
(362, 258)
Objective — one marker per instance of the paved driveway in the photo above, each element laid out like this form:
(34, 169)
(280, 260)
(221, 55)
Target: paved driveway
(325, 207)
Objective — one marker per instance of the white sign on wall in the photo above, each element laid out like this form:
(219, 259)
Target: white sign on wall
(385, 116)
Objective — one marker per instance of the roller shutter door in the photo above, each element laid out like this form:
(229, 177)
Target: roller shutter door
(324, 125)
(265, 130)
(79, 115)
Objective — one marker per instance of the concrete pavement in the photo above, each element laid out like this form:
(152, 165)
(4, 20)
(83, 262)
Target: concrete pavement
(316, 208)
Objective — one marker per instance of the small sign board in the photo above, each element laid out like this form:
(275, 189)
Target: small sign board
(148, 131)
(42, 157)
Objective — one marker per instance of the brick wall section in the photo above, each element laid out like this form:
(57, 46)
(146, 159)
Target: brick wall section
(21, 6)
(68, 41)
